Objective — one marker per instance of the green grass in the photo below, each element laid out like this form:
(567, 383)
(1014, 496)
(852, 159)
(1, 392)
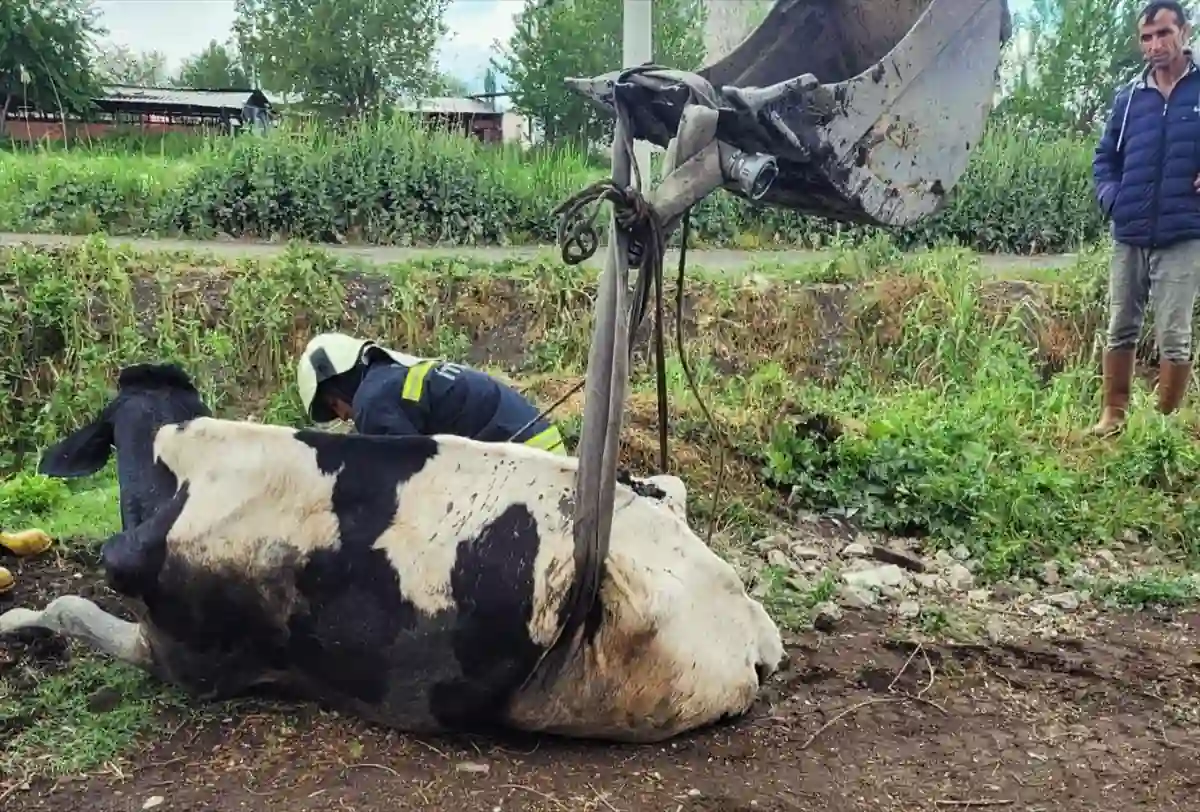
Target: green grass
(79, 511)
(78, 719)
(388, 181)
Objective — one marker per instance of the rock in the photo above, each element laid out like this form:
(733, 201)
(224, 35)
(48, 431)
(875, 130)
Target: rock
(854, 550)
(978, 595)
(760, 589)
(960, 578)
(960, 552)
(154, 801)
(803, 552)
(778, 558)
(1005, 592)
(770, 543)
(943, 558)
(825, 616)
(972, 565)
(472, 767)
(1050, 573)
(908, 609)
(995, 628)
(855, 597)
(1068, 601)
(1039, 609)
(810, 567)
(901, 558)
(1152, 555)
(799, 583)
(889, 575)
(930, 581)
(1027, 586)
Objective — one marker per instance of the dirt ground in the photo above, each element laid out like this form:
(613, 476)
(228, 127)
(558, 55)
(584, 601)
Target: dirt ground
(858, 721)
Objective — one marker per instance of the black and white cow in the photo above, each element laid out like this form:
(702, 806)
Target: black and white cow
(413, 581)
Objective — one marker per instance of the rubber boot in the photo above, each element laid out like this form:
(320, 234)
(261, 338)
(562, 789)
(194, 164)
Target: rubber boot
(1173, 380)
(7, 582)
(1118, 377)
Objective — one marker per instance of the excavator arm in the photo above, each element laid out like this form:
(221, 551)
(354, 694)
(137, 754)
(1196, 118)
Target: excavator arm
(859, 111)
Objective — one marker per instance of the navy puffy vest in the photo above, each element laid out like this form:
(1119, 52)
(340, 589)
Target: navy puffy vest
(1147, 161)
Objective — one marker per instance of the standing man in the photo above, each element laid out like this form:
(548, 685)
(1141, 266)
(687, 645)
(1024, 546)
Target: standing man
(1147, 175)
(388, 392)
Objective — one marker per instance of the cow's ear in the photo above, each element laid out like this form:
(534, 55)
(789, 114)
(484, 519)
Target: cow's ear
(81, 454)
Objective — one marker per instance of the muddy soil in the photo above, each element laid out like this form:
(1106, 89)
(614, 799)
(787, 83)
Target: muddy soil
(858, 721)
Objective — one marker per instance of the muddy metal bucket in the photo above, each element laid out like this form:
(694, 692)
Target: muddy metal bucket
(870, 108)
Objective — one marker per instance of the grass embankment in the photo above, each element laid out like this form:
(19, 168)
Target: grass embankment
(914, 397)
(389, 182)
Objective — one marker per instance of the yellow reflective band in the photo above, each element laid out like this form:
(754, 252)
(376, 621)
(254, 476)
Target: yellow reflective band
(548, 440)
(414, 381)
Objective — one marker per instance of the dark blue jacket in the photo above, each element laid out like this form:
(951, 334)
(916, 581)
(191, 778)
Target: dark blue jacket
(1147, 161)
(435, 397)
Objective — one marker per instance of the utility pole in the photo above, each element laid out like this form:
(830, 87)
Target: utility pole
(638, 47)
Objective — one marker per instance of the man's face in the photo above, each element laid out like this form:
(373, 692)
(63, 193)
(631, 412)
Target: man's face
(1163, 38)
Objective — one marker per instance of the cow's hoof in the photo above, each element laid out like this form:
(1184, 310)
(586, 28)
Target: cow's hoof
(7, 581)
(27, 542)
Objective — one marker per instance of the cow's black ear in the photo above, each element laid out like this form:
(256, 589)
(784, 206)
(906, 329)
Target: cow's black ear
(81, 454)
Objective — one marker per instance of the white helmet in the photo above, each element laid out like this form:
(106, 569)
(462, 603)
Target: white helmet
(325, 356)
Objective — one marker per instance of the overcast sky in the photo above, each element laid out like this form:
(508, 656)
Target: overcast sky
(180, 28)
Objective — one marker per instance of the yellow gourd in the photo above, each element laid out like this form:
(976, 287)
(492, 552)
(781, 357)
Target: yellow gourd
(27, 542)
(6, 580)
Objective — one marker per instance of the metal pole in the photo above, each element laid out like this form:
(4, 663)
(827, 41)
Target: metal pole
(638, 47)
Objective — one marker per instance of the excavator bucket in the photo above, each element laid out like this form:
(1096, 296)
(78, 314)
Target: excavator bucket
(870, 108)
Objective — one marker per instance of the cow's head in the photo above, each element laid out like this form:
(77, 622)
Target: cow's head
(148, 397)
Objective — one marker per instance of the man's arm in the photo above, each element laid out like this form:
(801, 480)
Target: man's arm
(383, 418)
(1108, 162)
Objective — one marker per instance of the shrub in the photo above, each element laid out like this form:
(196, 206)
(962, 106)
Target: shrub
(393, 182)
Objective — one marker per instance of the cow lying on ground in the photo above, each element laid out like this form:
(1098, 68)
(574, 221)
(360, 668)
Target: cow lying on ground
(412, 581)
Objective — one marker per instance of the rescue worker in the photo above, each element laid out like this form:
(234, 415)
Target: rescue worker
(387, 392)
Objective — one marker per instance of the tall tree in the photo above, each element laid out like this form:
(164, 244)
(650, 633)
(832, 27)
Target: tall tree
(1069, 57)
(343, 56)
(217, 66)
(119, 65)
(554, 40)
(447, 84)
(45, 54)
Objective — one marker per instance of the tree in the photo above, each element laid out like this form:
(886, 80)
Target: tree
(217, 66)
(44, 50)
(119, 65)
(446, 84)
(1078, 52)
(554, 40)
(345, 56)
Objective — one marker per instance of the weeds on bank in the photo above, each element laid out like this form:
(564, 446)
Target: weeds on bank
(391, 181)
(950, 407)
(963, 437)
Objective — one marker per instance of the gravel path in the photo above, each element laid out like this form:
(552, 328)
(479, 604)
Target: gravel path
(709, 258)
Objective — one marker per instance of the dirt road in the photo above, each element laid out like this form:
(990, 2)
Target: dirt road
(857, 723)
(711, 258)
